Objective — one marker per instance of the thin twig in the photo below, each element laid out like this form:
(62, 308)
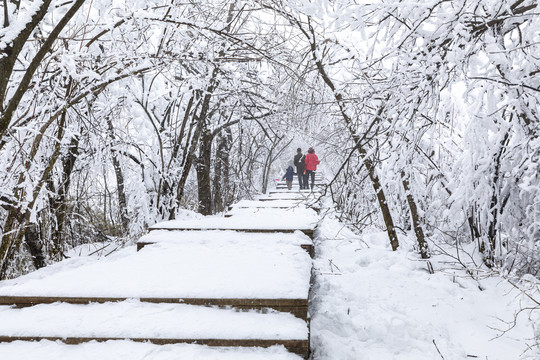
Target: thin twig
(524, 293)
(436, 347)
(92, 253)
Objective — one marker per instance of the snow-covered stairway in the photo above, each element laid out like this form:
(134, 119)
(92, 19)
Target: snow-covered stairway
(319, 182)
(240, 281)
(255, 219)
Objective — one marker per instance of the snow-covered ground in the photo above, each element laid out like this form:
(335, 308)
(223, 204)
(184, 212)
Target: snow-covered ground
(367, 302)
(372, 303)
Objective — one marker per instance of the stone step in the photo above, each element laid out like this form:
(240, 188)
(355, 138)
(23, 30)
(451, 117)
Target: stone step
(221, 237)
(295, 183)
(287, 191)
(297, 307)
(295, 179)
(125, 349)
(154, 323)
(298, 347)
(306, 244)
(295, 186)
(281, 204)
(307, 247)
(245, 271)
(308, 231)
(299, 214)
(291, 195)
(274, 223)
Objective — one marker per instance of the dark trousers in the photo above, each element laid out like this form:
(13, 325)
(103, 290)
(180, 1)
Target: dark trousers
(306, 179)
(300, 172)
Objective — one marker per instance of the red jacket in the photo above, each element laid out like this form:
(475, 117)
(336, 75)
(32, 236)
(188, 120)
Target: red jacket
(311, 161)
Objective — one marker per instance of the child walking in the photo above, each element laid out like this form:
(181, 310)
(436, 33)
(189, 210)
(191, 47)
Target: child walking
(288, 177)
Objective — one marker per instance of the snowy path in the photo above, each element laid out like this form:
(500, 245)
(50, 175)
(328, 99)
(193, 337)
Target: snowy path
(241, 280)
(241, 292)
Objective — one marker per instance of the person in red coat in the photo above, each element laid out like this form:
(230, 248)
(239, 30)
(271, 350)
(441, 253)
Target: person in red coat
(311, 166)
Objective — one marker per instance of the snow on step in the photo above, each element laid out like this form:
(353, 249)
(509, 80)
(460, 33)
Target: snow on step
(209, 237)
(305, 217)
(292, 195)
(275, 204)
(294, 187)
(227, 237)
(318, 180)
(282, 204)
(125, 349)
(318, 176)
(279, 192)
(233, 267)
(270, 220)
(290, 213)
(283, 185)
(297, 238)
(134, 319)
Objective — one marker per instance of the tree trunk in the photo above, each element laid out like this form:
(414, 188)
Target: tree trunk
(169, 187)
(13, 48)
(18, 217)
(418, 231)
(189, 158)
(495, 206)
(122, 199)
(381, 197)
(11, 240)
(221, 171)
(204, 136)
(32, 237)
(228, 193)
(266, 171)
(7, 62)
(59, 199)
(383, 204)
(204, 185)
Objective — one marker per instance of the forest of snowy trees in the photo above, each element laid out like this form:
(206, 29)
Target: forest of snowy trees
(115, 115)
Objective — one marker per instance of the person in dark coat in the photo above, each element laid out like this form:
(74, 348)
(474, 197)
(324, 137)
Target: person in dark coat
(288, 177)
(299, 163)
(311, 161)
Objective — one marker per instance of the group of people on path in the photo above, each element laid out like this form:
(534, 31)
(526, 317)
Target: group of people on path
(306, 165)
